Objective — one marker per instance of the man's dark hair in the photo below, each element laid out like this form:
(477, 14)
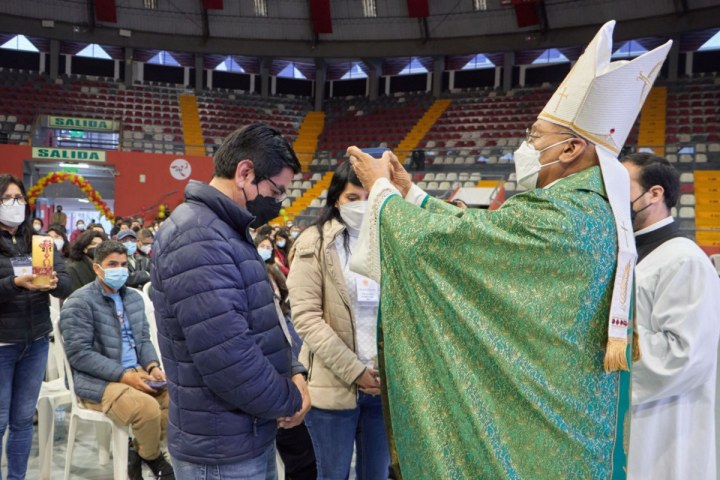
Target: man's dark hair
(82, 242)
(107, 248)
(269, 151)
(144, 233)
(656, 170)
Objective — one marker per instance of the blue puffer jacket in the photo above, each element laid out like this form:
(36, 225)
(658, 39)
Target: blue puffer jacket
(92, 338)
(226, 357)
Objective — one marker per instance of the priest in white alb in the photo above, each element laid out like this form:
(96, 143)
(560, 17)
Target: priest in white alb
(678, 317)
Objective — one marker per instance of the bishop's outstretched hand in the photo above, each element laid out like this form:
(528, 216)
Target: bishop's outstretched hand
(369, 169)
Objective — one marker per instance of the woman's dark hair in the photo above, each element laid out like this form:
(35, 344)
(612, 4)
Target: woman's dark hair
(25, 228)
(283, 233)
(656, 170)
(82, 242)
(261, 238)
(276, 275)
(264, 231)
(269, 151)
(65, 252)
(343, 175)
(95, 225)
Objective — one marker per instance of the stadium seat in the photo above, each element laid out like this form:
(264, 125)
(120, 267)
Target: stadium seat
(687, 199)
(687, 212)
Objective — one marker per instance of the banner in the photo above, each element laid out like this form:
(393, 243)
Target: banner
(418, 8)
(76, 154)
(321, 16)
(105, 11)
(73, 123)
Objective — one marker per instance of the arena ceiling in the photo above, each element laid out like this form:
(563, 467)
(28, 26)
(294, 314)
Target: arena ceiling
(291, 28)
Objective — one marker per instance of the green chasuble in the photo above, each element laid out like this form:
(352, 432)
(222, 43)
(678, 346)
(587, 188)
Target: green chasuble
(492, 334)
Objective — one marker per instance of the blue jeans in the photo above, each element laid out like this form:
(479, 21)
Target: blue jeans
(22, 369)
(333, 433)
(258, 468)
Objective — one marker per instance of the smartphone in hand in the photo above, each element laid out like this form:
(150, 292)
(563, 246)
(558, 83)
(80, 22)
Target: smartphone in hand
(156, 384)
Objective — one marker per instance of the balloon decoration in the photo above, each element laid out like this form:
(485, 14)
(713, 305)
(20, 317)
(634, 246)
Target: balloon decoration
(163, 211)
(78, 181)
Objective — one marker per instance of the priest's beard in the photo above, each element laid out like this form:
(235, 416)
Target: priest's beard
(640, 217)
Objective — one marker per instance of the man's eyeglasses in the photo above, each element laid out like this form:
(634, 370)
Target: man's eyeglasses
(530, 137)
(279, 194)
(10, 201)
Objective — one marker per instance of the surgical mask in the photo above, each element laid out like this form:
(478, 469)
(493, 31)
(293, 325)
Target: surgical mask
(634, 213)
(527, 163)
(13, 215)
(263, 209)
(352, 214)
(265, 254)
(294, 234)
(281, 243)
(146, 249)
(37, 227)
(115, 278)
(131, 248)
(81, 226)
(59, 244)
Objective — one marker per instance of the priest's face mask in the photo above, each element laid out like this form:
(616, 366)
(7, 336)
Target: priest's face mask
(531, 157)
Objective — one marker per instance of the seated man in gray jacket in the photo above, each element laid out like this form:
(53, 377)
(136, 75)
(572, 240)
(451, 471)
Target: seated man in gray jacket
(107, 341)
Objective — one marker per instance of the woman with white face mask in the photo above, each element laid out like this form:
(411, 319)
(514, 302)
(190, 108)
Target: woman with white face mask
(24, 323)
(335, 313)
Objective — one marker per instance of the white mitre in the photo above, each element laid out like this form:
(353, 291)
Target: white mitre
(600, 100)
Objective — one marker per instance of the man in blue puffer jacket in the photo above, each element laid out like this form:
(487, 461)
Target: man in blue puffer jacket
(231, 375)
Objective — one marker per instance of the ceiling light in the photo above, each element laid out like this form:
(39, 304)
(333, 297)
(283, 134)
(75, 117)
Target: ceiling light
(77, 165)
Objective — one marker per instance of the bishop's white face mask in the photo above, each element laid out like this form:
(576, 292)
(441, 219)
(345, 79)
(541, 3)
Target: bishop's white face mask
(13, 215)
(353, 213)
(527, 163)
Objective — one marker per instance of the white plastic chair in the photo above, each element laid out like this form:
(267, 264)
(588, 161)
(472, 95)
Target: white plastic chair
(53, 394)
(120, 433)
(150, 315)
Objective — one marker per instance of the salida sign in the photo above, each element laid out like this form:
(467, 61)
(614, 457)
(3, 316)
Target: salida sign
(68, 154)
(73, 123)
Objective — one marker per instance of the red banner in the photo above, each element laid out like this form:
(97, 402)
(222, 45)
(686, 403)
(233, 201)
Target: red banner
(321, 16)
(526, 12)
(213, 4)
(105, 11)
(418, 8)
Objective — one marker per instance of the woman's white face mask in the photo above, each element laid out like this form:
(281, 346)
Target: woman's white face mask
(353, 213)
(527, 163)
(13, 215)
